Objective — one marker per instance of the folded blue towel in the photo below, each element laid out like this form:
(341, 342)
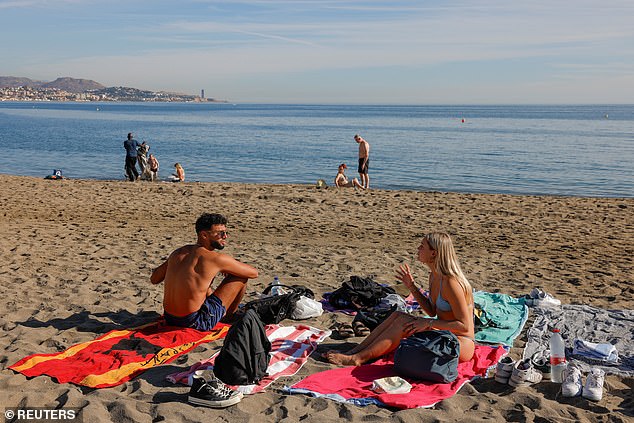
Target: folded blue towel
(603, 352)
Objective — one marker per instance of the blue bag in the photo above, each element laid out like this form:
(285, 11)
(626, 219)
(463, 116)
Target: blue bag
(430, 355)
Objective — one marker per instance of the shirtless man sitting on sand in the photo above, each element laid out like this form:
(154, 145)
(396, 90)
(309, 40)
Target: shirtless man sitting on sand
(188, 299)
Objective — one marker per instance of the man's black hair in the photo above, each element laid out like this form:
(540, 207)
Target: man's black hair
(207, 220)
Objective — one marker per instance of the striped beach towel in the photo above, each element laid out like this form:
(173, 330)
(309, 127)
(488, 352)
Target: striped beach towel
(117, 356)
(290, 348)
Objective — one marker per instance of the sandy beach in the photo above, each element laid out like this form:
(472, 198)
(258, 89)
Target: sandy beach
(77, 255)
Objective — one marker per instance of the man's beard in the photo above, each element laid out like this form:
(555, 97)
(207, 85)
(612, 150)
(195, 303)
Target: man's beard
(217, 245)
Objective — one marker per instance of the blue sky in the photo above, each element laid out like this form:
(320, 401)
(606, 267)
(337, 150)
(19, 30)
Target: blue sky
(356, 52)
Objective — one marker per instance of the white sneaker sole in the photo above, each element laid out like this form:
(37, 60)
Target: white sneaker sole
(570, 393)
(592, 397)
(216, 404)
(514, 382)
(501, 379)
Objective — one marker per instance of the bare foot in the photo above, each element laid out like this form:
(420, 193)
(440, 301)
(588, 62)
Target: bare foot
(339, 359)
(352, 351)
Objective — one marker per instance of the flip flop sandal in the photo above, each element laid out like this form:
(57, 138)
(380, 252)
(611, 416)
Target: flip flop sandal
(345, 331)
(360, 329)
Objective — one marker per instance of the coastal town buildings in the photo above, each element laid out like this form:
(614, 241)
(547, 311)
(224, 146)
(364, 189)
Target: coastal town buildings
(45, 94)
(25, 93)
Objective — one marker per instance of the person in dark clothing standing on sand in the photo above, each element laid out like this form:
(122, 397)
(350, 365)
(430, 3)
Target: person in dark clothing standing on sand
(131, 145)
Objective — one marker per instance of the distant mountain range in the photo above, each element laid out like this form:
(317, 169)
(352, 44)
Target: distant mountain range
(71, 85)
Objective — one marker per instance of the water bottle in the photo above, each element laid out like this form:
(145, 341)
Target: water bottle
(557, 356)
(275, 286)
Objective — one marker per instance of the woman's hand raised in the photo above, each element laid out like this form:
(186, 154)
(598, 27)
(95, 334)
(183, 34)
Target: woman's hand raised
(404, 274)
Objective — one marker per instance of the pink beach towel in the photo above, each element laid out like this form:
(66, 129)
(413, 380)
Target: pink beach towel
(290, 348)
(353, 383)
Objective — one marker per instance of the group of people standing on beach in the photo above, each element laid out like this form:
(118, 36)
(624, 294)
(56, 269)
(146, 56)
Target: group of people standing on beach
(190, 301)
(138, 153)
(148, 164)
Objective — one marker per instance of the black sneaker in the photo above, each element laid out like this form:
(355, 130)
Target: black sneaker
(541, 361)
(211, 392)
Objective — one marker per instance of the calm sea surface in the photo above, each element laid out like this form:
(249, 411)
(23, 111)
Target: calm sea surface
(561, 150)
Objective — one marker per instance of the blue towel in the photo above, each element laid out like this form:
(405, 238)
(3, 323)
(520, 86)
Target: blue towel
(506, 316)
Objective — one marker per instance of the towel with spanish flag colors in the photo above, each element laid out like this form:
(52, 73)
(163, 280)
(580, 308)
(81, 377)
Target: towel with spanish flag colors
(117, 356)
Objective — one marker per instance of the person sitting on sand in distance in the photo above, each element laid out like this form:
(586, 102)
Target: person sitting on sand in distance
(179, 176)
(450, 299)
(341, 180)
(188, 273)
(141, 156)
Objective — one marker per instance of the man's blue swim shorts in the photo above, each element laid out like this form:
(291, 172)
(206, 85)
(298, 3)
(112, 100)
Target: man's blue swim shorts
(204, 319)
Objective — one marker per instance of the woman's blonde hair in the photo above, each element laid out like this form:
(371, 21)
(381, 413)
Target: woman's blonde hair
(447, 262)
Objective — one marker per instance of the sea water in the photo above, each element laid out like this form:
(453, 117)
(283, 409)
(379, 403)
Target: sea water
(579, 150)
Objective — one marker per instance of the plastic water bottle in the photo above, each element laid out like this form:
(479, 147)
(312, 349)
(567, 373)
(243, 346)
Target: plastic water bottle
(275, 286)
(557, 356)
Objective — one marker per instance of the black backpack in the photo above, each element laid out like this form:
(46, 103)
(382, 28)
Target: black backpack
(244, 356)
(359, 293)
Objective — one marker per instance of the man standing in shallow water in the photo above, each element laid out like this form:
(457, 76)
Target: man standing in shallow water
(364, 161)
(188, 273)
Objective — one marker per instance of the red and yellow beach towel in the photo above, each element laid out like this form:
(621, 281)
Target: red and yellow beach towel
(118, 355)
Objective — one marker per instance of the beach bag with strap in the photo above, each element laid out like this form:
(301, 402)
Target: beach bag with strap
(244, 356)
(276, 308)
(429, 355)
(305, 308)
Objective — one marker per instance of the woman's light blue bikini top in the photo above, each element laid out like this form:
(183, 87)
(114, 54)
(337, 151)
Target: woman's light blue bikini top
(441, 303)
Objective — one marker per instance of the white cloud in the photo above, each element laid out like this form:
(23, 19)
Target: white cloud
(14, 4)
